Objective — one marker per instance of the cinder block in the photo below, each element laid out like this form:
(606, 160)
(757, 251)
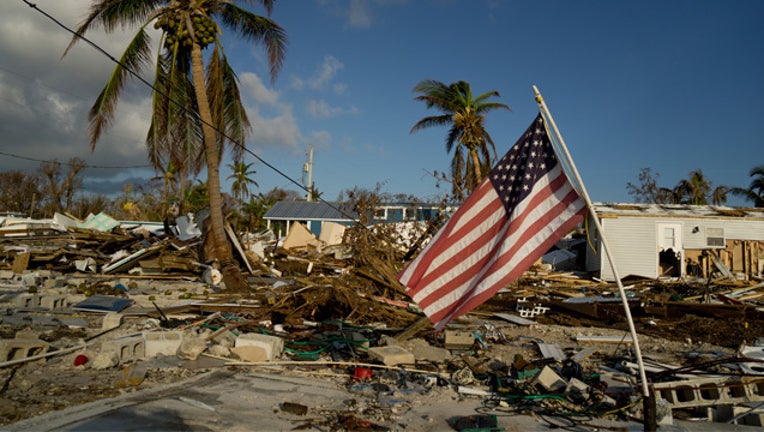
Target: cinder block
(6, 274)
(549, 380)
(273, 345)
(54, 302)
(16, 349)
(705, 392)
(31, 279)
(459, 340)
(44, 273)
(27, 300)
(391, 355)
(165, 343)
(251, 353)
(126, 349)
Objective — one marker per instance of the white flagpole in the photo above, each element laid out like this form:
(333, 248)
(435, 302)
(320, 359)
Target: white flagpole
(585, 196)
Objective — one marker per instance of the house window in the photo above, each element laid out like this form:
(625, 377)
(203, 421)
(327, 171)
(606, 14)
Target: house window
(380, 213)
(715, 237)
(669, 238)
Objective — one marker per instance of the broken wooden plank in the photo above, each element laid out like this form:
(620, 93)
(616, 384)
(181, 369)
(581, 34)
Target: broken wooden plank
(720, 265)
(413, 329)
(111, 268)
(237, 246)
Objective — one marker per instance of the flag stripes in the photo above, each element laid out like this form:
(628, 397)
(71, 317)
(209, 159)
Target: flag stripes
(487, 243)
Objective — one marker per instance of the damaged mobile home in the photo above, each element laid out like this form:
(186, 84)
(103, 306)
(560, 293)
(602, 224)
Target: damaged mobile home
(676, 240)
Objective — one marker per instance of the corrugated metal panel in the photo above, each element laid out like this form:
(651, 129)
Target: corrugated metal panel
(303, 210)
(678, 210)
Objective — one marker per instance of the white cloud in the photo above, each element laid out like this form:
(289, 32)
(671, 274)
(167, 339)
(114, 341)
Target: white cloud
(280, 130)
(252, 86)
(340, 88)
(321, 139)
(325, 72)
(62, 110)
(359, 15)
(321, 109)
(296, 83)
(13, 102)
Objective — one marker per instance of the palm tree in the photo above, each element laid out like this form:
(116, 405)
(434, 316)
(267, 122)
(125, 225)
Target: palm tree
(193, 108)
(693, 190)
(168, 176)
(466, 117)
(241, 179)
(755, 191)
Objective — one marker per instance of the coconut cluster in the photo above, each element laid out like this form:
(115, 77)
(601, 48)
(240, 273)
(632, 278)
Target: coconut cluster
(177, 32)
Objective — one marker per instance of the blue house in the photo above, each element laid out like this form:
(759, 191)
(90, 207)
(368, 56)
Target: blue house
(314, 214)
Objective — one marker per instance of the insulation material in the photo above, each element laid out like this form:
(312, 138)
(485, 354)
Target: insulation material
(331, 233)
(300, 237)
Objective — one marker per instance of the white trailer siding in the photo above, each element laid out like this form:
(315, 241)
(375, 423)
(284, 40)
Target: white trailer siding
(734, 229)
(633, 246)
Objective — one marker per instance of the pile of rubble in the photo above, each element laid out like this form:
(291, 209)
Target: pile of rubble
(105, 307)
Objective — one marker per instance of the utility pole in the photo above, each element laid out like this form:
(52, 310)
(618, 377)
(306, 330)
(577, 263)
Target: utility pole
(308, 169)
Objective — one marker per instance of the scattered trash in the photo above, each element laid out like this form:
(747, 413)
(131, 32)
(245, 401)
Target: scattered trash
(131, 309)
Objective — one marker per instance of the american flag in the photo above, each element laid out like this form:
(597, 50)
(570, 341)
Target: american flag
(516, 214)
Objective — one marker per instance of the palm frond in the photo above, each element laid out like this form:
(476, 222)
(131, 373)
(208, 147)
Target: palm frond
(229, 113)
(134, 59)
(442, 120)
(258, 29)
(108, 14)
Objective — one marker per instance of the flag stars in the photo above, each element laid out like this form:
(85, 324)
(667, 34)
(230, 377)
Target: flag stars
(517, 172)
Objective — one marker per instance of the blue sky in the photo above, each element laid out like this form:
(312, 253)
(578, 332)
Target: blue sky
(670, 85)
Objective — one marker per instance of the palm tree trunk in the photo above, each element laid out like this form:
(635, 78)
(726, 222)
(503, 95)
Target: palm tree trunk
(231, 275)
(478, 171)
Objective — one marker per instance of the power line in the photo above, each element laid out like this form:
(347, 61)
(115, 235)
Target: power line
(64, 163)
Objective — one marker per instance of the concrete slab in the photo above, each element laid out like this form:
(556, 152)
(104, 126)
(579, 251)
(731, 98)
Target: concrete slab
(223, 401)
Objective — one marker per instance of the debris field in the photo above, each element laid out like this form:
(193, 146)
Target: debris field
(97, 308)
